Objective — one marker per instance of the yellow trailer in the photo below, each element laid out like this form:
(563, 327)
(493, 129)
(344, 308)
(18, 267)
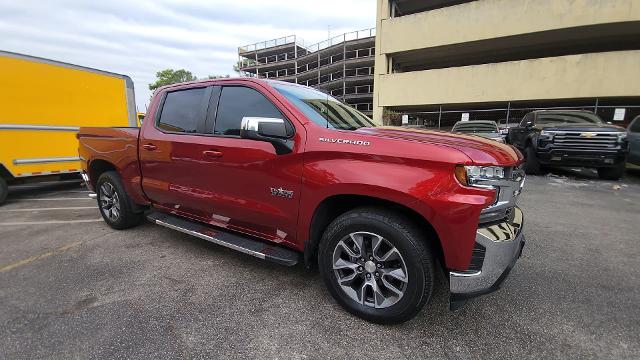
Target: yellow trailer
(43, 103)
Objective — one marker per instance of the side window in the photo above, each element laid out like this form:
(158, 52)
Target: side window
(182, 111)
(635, 125)
(526, 118)
(237, 102)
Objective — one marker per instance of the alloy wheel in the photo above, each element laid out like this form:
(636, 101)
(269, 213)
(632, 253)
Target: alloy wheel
(369, 269)
(109, 201)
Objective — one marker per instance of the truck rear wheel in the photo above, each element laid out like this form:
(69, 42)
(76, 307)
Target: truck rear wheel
(115, 205)
(612, 173)
(4, 190)
(376, 265)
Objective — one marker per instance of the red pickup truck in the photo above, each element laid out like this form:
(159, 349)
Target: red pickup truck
(282, 172)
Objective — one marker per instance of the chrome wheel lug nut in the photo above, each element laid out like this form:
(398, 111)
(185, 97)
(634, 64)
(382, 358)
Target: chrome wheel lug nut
(377, 274)
(379, 266)
(371, 258)
(360, 269)
(368, 276)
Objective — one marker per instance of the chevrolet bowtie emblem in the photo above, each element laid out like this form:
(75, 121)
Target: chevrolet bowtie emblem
(587, 134)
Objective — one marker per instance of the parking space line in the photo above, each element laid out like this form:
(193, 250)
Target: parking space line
(51, 209)
(50, 199)
(38, 257)
(49, 222)
(70, 192)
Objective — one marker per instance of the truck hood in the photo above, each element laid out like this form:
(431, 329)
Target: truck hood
(581, 127)
(480, 150)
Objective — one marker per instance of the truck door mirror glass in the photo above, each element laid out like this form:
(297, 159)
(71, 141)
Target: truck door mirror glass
(271, 130)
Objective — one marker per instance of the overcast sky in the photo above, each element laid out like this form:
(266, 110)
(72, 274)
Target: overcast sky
(139, 38)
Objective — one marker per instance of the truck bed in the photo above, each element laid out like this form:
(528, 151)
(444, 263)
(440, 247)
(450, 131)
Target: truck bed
(117, 146)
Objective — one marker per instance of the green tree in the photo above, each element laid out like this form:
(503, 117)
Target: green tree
(242, 63)
(170, 76)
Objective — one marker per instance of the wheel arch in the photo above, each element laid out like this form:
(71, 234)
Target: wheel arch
(333, 206)
(5, 173)
(97, 167)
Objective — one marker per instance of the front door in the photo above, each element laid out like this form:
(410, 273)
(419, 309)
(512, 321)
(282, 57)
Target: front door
(517, 134)
(243, 184)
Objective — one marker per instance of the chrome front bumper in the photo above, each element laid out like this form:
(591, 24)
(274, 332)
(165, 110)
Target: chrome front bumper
(503, 244)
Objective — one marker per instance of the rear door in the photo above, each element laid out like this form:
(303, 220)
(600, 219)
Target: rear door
(170, 157)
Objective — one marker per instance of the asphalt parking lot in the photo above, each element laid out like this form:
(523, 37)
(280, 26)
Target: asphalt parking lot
(71, 287)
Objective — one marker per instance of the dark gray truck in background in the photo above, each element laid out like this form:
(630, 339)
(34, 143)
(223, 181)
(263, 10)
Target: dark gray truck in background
(574, 138)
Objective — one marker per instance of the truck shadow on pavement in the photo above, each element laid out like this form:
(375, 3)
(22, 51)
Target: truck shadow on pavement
(632, 174)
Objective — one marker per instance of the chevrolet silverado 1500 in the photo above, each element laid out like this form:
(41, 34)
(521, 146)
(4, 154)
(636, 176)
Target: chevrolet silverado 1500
(281, 172)
(570, 138)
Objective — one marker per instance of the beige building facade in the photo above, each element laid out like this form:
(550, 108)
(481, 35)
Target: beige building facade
(490, 54)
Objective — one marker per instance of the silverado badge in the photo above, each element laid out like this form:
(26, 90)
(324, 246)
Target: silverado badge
(345, 141)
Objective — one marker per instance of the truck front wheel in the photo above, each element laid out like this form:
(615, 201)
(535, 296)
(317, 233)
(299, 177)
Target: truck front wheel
(532, 165)
(376, 264)
(612, 173)
(4, 190)
(115, 205)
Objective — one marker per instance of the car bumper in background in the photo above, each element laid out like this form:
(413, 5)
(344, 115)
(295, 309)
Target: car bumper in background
(502, 244)
(581, 158)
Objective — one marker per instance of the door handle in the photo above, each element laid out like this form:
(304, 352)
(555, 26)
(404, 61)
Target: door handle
(149, 147)
(212, 153)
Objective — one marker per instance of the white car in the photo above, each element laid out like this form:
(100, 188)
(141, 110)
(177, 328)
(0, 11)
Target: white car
(485, 128)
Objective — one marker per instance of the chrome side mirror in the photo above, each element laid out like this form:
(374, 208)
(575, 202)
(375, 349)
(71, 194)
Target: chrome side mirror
(264, 127)
(271, 130)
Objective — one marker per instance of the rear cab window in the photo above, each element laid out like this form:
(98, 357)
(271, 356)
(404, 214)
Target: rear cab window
(183, 111)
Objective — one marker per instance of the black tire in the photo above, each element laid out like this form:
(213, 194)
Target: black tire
(4, 190)
(402, 234)
(532, 165)
(109, 183)
(612, 173)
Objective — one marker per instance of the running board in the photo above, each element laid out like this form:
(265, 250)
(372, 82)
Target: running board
(276, 254)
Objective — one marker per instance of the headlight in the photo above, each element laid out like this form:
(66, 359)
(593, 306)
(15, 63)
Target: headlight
(546, 135)
(622, 137)
(472, 175)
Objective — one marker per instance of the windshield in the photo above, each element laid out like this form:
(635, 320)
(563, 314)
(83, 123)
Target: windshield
(560, 118)
(323, 109)
(471, 127)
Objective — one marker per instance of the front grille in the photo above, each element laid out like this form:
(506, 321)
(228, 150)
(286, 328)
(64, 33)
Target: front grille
(477, 257)
(586, 140)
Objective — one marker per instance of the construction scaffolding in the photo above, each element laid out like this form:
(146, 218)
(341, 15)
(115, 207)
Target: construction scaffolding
(341, 66)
